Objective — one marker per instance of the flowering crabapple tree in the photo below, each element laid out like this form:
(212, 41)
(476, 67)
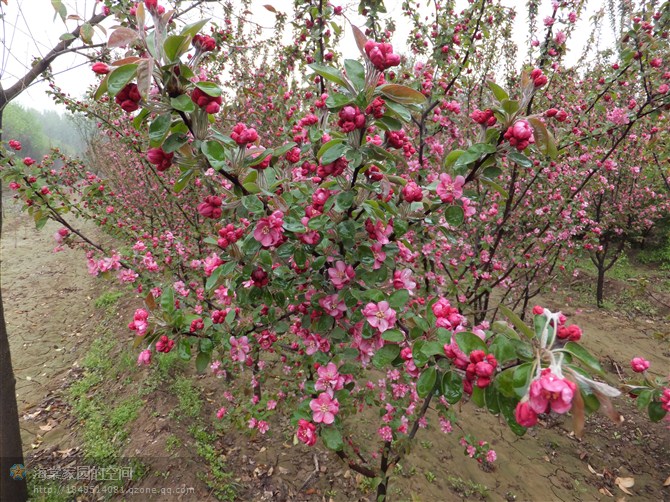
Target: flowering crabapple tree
(299, 261)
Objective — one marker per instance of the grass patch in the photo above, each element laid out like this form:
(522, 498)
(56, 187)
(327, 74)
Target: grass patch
(108, 299)
(468, 489)
(190, 402)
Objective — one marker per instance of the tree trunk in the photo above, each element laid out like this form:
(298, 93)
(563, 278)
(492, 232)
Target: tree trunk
(11, 451)
(601, 285)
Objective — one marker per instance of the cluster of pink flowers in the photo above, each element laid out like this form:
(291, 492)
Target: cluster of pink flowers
(211, 104)
(448, 317)
(164, 344)
(538, 78)
(203, 43)
(572, 333)
(159, 158)
(351, 118)
(548, 392)
(412, 192)
(480, 370)
(15, 145)
(243, 135)
(139, 324)
(211, 207)
(229, 235)
(381, 55)
(269, 231)
(129, 98)
(520, 135)
(484, 117)
(335, 168)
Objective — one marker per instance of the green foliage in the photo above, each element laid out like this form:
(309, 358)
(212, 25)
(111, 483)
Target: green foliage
(107, 299)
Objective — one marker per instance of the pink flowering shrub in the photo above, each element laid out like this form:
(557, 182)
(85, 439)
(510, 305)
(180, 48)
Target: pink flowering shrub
(331, 245)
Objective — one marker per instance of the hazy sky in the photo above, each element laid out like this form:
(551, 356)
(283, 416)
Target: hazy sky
(30, 30)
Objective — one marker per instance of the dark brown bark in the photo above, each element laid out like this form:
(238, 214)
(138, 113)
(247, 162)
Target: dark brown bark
(11, 451)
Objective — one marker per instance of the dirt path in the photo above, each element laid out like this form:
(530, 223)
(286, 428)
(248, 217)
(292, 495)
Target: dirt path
(48, 306)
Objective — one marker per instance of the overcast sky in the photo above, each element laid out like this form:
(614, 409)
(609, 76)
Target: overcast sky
(30, 30)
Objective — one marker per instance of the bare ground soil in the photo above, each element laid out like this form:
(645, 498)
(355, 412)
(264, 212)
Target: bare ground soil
(52, 322)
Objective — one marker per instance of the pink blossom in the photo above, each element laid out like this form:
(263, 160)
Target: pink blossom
(239, 348)
(618, 116)
(144, 359)
(550, 391)
(306, 432)
(402, 279)
(324, 408)
(269, 231)
(341, 274)
(524, 414)
(385, 433)
(380, 315)
(329, 378)
(449, 189)
(221, 413)
(333, 306)
(639, 364)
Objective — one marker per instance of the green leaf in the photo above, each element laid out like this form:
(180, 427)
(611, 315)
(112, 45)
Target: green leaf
(543, 138)
(213, 279)
(453, 156)
(120, 77)
(498, 91)
(474, 153)
(389, 123)
(355, 72)
(510, 106)
(584, 356)
(385, 356)
(328, 73)
(193, 29)
(432, 348)
(656, 411)
(159, 128)
(182, 181)
(337, 100)
(468, 342)
(335, 149)
(398, 299)
(516, 321)
(520, 159)
(507, 408)
(491, 399)
(183, 103)
(102, 88)
(452, 387)
(67, 36)
(343, 201)
(215, 153)
(175, 46)
(202, 360)
(402, 94)
(184, 349)
(86, 33)
(399, 110)
(393, 335)
(60, 9)
(477, 397)
(174, 142)
(332, 438)
(253, 204)
(521, 378)
(454, 215)
(426, 382)
(209, 88)
(503, 349)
